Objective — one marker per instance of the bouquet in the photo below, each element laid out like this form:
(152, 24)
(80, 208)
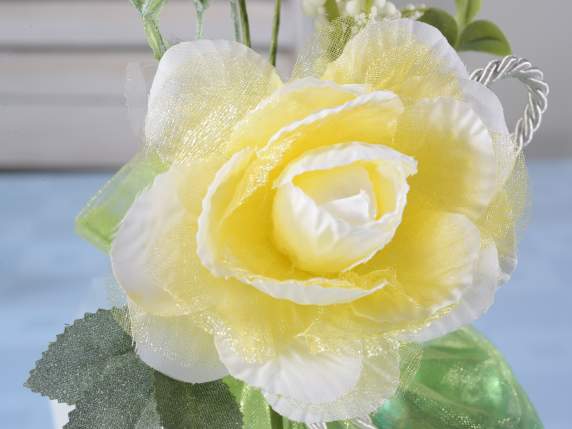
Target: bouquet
(310, 252)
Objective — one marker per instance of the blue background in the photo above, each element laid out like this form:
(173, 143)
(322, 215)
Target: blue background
(48, 277)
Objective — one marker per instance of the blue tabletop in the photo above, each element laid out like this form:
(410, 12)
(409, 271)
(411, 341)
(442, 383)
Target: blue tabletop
(49, 276)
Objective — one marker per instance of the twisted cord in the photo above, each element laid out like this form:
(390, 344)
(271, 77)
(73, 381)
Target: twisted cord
(533, 79)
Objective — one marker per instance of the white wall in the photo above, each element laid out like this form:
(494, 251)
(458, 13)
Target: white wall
(62, 70)
(62, 73)
(540, 31)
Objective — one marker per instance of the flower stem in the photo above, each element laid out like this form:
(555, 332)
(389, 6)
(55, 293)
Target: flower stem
(275, 30)
(200, 22)
(368, 5)
(154, 38)
(276, 421)
(148, 12)
(332, 11)
(244, 23)
(234, 14)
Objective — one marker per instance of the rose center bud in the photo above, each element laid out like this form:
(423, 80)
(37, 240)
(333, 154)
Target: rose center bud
(336, 207)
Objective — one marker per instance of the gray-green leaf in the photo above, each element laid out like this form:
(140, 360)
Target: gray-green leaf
(75, 361)
(197, 406)
(466, 11)
(123, 399)
(484, 36)
(444, 22)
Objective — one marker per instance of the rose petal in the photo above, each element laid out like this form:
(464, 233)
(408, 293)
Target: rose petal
(433, 255)
(475, 300)
(219, 192)
(156, 211)
(295, 372)
(408, 57)
(458, 168)
(201, 89)
(486, 105)
(290, 103)
(343, 154)
(321, 291)
(176, 347)
(244, 227)
(314, 236)
(378, 382)
(316, 291)
(501, 220)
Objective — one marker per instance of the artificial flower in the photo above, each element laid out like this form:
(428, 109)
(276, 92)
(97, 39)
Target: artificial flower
(303, 231)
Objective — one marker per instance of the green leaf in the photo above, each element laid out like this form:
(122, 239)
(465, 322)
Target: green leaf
(444, 22)
(484, 36)
(253, 406)
(93, 366)
(149, 417)
(466, 11)
(75, 361)
(123, 398)
(197, 406)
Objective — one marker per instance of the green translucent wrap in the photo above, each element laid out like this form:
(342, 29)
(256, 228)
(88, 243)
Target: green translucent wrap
(463, 383)
(99, 220)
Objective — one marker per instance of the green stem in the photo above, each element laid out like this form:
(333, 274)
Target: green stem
(275, 30)
(244, 23)
(368, 5)
(148, 10)
(154, 37)
(276, 420)
(234, 14)
(200, 22)
(332, 11)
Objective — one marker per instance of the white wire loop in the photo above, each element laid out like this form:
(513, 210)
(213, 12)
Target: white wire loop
(533, 79)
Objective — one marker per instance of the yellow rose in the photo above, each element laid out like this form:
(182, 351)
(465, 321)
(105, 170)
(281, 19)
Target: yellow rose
(304, 230)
